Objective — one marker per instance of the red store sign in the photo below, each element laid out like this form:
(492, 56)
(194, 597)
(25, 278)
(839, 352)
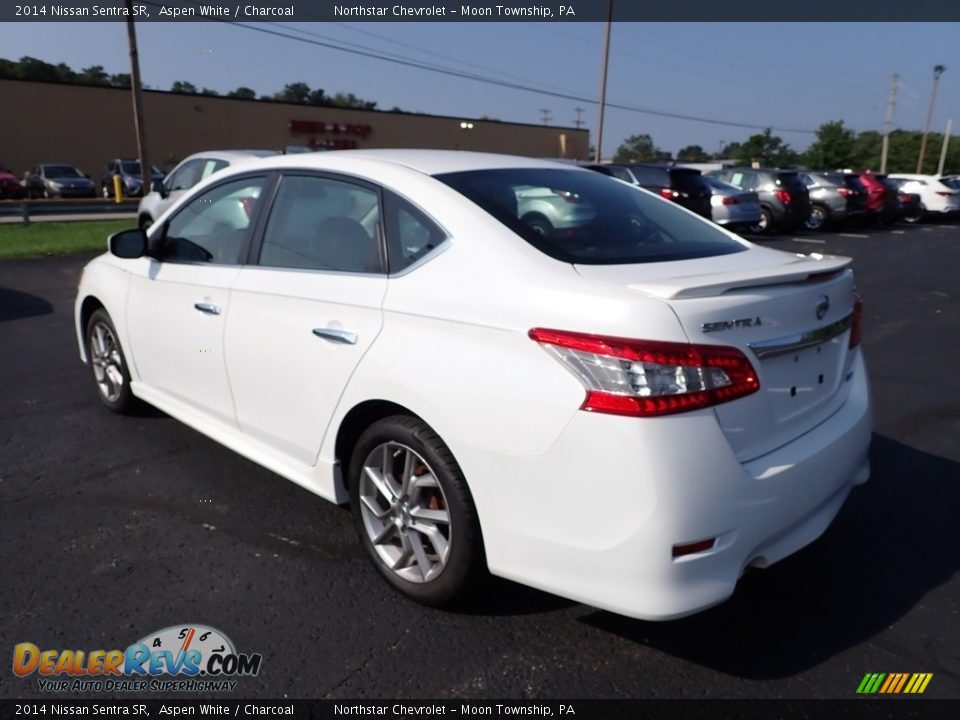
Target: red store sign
(318, 127)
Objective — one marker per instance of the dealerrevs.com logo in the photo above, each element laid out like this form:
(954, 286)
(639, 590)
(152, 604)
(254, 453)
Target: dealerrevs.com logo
(200, 658)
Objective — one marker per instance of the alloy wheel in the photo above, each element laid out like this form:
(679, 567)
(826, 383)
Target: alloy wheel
(405, 513)
(106, 361)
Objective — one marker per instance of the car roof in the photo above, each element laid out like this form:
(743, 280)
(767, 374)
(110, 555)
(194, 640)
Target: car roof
(428, 162)
(231, 155)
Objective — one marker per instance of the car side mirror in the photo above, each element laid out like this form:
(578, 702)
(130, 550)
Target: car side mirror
(159, 187)
(129, 244)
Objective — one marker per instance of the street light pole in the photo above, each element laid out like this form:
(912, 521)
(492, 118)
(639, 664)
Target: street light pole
(603, 82)
(937, 72)
(146, 175)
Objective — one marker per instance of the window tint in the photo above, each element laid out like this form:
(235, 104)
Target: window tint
(210, 167)
(213, 226)
(621, 173)
(593, 219)
(690, 181)
(322, 224)
(410, 234)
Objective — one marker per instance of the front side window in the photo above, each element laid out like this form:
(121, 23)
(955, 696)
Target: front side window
(323, 224)
(588, 218)
(212, 227)
(186, 176)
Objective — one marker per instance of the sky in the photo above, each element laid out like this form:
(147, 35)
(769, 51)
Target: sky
(791, 76)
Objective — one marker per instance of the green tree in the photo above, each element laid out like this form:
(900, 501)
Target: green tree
(182, 86)
(318, 97)
(298, 92)
(244, 93)
(692, 154)
(835, 147)
(120, 80)
(730, 150)
(208, 91)
(350, 100)
(866, 150)
(638, 148)
(94, 75)
(30, 68)
(767, 149)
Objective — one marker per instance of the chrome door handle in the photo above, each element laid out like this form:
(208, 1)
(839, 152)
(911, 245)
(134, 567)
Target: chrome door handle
(208, 308)
(337, 336)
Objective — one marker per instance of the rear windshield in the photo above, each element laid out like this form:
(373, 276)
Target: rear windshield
(789, 178)
(687, 180)
(583, 217)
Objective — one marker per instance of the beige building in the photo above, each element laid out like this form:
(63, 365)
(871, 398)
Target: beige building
(87, 126)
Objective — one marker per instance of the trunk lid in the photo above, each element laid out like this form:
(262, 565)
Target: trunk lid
(789, 314)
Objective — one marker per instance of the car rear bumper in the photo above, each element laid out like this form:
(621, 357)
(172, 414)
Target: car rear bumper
(596, 518)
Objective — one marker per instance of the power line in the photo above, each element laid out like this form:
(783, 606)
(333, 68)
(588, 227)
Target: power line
(502, 83)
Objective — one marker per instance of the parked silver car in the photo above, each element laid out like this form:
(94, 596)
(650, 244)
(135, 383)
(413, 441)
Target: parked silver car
(732, 207)
(184, 176)
(548, 211)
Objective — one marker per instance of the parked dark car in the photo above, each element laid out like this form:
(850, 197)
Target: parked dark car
(834, 198)
(909, 205)
(130, 176)
(784, 199)
(52, 180)
(9, 185)
(684, 186)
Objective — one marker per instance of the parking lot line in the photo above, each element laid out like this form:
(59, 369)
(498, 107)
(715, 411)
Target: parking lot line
(853, 235)
(809, 240)
(898, 232)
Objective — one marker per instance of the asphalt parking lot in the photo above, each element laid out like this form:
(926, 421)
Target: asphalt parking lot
(115, 527)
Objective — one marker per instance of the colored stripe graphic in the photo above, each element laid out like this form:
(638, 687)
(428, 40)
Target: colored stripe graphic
(894, 683)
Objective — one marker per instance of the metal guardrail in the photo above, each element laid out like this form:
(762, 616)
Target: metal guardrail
(25, 207)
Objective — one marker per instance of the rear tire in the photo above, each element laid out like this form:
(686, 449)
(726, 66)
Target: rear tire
(915, 216)
(764, 226)
(819, 218)
(539, 224)
(414, 512)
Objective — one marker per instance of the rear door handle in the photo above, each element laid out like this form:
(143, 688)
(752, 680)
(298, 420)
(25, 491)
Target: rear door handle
(337, 336)
(208, 308)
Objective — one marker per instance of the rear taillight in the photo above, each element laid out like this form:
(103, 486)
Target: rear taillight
(645, 378)
(570, 197)
(731, 200)
(782, 195)
(857, 322)
(669, 194)
(845, 192)
(945, 193)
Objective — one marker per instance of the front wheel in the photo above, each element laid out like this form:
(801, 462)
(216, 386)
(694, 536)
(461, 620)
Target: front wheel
(108, 363)
(914, 216)
(414, 512)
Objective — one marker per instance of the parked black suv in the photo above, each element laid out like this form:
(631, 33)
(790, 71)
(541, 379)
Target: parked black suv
(784, 199)
(685, 186)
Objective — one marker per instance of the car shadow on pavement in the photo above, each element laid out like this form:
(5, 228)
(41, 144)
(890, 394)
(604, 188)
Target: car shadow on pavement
(15, 305)
(894, 542)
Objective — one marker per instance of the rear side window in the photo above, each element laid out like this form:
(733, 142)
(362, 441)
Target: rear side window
(587, 218)
(410, 233)
(689, 181)
(323, 224)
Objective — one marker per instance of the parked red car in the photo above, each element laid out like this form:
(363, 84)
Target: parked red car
(9, 185)
(883, 205)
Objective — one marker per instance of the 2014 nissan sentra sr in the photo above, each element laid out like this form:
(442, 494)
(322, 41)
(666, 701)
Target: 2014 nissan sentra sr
(627, 410)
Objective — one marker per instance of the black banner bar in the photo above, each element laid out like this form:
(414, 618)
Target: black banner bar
(733, 11)
(501, 709)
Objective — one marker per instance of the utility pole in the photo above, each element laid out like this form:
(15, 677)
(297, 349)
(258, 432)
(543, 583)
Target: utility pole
(937, 72)
(545, 115)
(891, 101)
(603, 82)
(578, 122)
(943, 150)
(146, 175)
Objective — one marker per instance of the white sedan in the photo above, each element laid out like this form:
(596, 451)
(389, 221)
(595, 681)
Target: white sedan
(628, 412)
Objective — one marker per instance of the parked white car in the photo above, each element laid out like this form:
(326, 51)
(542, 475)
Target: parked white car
(628, 414)
(184, 176)
(936, 196)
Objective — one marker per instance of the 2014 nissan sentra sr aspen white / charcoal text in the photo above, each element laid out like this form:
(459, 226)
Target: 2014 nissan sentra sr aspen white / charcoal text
(628, 409)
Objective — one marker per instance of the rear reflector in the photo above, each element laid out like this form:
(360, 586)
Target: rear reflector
(691, 548)
(647, 378)
(857, 323)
